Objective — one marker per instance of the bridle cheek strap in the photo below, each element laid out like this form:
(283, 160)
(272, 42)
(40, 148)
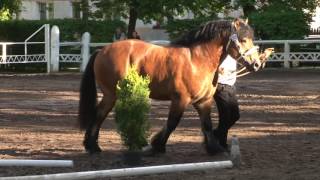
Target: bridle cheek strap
(243, 53)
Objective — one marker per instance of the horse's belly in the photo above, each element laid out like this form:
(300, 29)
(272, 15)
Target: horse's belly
(159, 91)
(159, 95)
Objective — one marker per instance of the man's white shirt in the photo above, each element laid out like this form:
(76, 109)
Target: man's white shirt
(228, 71)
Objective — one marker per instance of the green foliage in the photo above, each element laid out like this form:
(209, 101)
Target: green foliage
(307, 6)
(70, 30)
(178, 27)
(147, 10)
(4, 14)
(8, 8)
(285, 19)
(279, 22)
(157, 10)
(131, 110)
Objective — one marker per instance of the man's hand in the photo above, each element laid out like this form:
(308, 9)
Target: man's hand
(221, 70)
(265, 55)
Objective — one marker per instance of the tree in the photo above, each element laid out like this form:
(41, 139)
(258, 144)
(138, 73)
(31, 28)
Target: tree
(274, 19)
(279, 22)
(148, 10)
(84, 5)
(307, 6)
(8, 8)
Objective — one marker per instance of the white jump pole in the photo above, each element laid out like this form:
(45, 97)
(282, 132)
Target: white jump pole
(149, 170)
(127, 171)
(36, 163)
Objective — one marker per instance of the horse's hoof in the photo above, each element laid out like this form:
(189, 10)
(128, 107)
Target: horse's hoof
(93, 150)
(151, 151)
(214, 150)
(213, 147)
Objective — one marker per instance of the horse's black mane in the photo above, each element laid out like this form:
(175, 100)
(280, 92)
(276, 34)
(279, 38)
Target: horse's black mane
(209, 31)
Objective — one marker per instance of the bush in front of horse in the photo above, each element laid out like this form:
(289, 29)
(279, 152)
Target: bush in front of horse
(131, 114)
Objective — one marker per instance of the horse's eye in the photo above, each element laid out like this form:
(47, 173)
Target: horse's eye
(243, 40)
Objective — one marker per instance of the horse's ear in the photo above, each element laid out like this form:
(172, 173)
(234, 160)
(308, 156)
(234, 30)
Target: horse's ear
(236, 23)
(246, 21)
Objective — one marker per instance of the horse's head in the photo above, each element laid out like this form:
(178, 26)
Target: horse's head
(240, 45)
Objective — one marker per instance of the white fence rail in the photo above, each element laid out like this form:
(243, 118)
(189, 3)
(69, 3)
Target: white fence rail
(44, 57)
(287, 55)
(6, 58)
(54, 53)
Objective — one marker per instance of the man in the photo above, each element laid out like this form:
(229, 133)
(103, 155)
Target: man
(226, 99)
(119, 35)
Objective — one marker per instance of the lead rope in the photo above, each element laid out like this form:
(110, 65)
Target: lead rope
(243, 74)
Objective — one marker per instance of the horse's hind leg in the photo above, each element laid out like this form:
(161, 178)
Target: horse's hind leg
(159, 141)
(211, 143)
(92, 133)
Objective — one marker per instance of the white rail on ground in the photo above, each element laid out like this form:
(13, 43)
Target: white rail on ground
(36, 163)
(128, 171)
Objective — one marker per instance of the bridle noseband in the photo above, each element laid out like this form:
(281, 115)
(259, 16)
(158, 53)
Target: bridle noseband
(243, 54)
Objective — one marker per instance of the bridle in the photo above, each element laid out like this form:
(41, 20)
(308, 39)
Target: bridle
(243, 54)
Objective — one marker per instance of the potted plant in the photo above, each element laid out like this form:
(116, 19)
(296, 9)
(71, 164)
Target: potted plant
(131, 114)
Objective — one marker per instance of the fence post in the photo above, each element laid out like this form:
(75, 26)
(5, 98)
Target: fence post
(4, 53)
(55, 45)
(47, 46)
(286, 62)
(85, 50)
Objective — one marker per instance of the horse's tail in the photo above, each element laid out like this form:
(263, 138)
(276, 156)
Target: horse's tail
(88, 96)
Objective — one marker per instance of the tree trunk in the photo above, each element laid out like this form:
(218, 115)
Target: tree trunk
(248, 9)
(133, 16)
(85, 10)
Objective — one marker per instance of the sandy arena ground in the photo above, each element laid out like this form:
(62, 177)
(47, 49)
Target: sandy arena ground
(279, 129)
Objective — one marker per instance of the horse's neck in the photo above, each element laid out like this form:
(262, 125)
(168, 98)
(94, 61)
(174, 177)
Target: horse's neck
(208, 54)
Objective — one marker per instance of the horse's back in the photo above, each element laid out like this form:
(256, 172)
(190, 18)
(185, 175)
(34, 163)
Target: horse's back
(113, 61)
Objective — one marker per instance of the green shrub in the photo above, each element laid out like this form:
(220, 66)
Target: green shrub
(131, 110)
(70, 29)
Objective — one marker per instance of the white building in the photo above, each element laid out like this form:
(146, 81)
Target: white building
(49, 9)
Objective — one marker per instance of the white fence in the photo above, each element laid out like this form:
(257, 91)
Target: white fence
(287, 55)
(42, 57)
(54, 54)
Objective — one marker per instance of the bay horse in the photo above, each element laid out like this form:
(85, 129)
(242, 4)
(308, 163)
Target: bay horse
(183, 72)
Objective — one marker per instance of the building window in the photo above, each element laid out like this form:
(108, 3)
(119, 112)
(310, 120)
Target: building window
(46, 10)
(51, 10)
(76, 10)
(42, 10)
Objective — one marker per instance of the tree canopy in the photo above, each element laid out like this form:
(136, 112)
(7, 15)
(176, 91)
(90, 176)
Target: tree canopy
(8, 8)
(274, 19)
(147, 10)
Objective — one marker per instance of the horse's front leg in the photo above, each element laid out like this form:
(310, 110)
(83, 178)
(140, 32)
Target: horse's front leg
(158, 142)
(204, 109)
